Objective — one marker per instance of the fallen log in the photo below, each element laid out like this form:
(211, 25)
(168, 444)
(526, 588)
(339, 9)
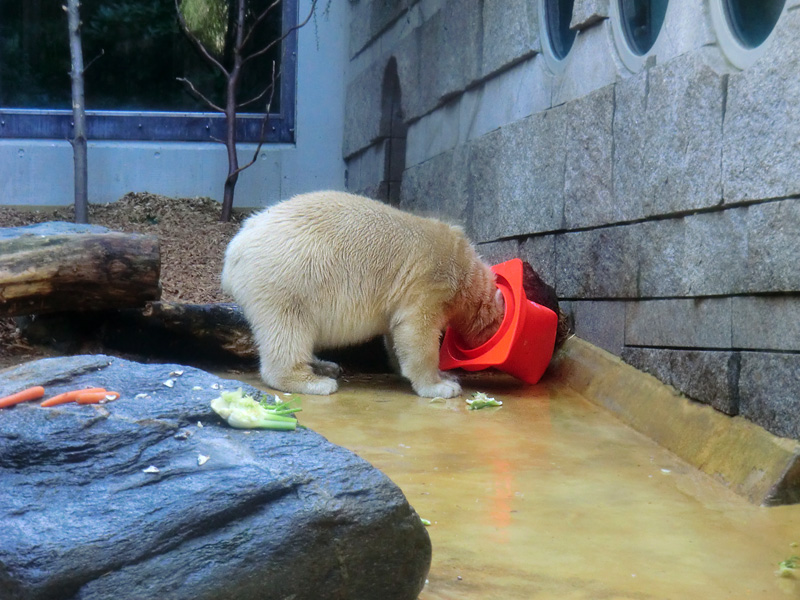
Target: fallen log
(181, 331)
(49, 270)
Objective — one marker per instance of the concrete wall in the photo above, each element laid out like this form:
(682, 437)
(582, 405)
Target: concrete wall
(659, 194)
(40, 172)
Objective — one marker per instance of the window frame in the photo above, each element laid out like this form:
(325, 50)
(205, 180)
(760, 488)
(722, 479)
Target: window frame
(630, 56)
(554, 60)
(732, 47)
(168, 126)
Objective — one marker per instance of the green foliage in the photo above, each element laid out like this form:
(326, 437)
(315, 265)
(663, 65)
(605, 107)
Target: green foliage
(208, 21)
(788, 567)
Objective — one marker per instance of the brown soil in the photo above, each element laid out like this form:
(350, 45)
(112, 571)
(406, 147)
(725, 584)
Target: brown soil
(192, 242)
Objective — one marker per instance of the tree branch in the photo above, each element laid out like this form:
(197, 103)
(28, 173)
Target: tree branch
(257, 22)
(197, 43)
(264, 121)
(270, 89)
(199, 95)
(291, 30)
(91, 62)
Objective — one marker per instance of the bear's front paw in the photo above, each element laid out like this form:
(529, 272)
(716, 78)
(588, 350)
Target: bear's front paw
(443, 389)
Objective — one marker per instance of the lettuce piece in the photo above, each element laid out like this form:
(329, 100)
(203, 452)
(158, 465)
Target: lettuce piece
(789, 567)
(244, 412)
(481, 400)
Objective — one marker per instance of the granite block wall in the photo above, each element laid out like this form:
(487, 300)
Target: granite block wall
(662, 201)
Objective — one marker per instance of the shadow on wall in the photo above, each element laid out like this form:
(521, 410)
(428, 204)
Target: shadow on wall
(393, 130)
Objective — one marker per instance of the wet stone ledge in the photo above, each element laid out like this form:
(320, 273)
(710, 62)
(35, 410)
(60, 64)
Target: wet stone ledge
(267, 515)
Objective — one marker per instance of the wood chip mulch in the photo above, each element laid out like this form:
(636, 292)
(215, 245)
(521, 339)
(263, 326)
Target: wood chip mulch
(192, 241)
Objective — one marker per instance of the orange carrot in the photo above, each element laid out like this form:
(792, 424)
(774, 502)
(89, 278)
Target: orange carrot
(32, 393)
(69, 396)
(96, 397)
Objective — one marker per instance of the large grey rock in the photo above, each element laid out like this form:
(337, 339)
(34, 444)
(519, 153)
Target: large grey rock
(598, 263)
(459, 44)
(768, 322)
(588, 12)
(588, 182)
(269, 515)
(708, 376)
(510, 33)
(517, 178)
(685, 104)
(439, 187)
(668, 138)
(601, 323)
(540, 252)
(362, 114)
(413, 100)
(762, 121)
(715, 254)
(773, 246)
(679, 323)
(683, 256)
(769, 387)
(369, 19)
(367, 169)
(497, 252)
(630, 140)
(592, 64)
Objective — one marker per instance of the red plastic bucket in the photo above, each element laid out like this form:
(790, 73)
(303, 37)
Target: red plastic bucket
(522, 346)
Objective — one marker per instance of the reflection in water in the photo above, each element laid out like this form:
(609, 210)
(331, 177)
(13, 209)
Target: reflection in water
(551, 497)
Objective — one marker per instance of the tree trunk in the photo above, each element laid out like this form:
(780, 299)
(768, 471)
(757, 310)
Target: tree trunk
(231, 95)
(78, 141)
(77, 272)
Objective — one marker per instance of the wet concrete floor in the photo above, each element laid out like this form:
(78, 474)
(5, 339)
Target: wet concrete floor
(551, 497)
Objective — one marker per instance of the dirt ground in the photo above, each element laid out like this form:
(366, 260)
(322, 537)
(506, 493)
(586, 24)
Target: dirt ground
(192, 242)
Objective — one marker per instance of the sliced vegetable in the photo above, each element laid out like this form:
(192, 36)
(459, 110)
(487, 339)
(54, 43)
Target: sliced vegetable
(788, 567)
(279, 407)
(481, 400)
(96, 397)
(70, 396)
(244, 412)
(31, 393)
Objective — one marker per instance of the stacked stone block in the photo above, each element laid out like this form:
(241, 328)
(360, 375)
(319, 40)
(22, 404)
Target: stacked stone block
(662, 204)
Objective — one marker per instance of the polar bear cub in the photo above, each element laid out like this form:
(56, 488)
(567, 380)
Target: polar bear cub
(331, 269)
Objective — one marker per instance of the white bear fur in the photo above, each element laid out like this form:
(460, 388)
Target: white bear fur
(330, 269)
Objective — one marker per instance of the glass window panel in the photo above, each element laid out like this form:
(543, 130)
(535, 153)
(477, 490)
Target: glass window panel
(134, 52)
(753, 20)
(641, 22)
(559, 15)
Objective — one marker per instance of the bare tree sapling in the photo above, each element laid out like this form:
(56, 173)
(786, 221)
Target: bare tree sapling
(78, 141)
(223, 33)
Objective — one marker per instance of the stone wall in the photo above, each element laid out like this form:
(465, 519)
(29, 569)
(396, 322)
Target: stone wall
(661, 200)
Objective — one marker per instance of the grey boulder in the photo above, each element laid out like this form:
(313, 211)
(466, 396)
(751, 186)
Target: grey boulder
(85, 516)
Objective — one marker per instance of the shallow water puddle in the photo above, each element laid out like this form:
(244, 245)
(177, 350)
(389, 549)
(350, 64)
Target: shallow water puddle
(550, 496)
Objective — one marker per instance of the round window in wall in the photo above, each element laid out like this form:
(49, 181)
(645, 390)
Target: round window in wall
(742, 27)
(753, 20)
(554, 19)
(641, 22)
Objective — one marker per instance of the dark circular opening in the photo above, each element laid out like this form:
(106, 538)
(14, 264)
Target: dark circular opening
(753, 20)
(558, 14)
(641, 22)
